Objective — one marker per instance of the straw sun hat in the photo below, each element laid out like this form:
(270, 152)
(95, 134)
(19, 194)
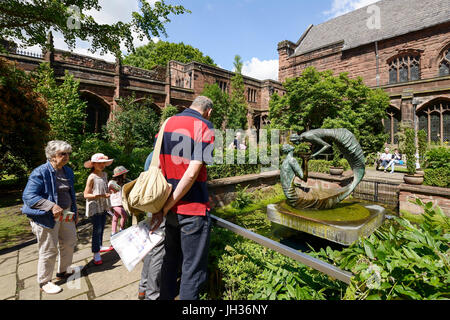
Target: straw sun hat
(119, 170)
(98, 157)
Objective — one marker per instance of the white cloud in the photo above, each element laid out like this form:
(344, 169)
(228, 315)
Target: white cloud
(340, 7)
(262, 70)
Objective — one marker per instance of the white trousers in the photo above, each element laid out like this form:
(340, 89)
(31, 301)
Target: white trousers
(59, 241)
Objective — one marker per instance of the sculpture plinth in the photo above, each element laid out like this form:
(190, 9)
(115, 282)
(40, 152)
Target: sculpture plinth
(343, 224)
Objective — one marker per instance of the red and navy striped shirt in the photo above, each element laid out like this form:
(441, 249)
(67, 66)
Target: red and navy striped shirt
(188, 136)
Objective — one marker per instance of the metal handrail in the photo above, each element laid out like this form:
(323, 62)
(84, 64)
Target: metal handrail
(303, 258)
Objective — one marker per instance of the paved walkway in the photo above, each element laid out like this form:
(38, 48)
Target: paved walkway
(109, 281)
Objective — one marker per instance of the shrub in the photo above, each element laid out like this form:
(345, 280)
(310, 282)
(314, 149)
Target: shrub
(438, 157)
(134, 124)
(439, 177)
(323, 166)
(422, 146)
(243, 198)
(401, 260)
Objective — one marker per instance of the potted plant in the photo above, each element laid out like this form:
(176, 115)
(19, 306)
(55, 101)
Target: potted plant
(410, 150)
(422, 148)
(336, 169)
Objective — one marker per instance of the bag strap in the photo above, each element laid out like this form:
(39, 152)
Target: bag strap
(157, 150)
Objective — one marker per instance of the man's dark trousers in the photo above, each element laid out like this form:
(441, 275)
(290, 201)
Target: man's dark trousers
(187, 242)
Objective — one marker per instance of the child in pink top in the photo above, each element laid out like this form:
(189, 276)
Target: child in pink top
(115, 187)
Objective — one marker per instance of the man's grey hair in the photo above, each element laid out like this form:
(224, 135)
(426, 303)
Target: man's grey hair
(203, 103)
(55, 146)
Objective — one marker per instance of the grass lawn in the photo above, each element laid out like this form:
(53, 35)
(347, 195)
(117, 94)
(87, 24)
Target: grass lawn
(14, 225)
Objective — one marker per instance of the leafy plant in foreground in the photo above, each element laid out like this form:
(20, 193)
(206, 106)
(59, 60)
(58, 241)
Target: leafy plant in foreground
(402, 260)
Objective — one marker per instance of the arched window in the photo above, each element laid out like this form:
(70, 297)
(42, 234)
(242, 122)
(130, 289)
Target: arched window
(391, 124)
(444, 63)
(404, 68)
(434, 118)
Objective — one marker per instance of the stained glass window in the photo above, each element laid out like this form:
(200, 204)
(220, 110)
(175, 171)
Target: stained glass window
(446, 126)
(444, 69)
(415, 73)
(404, 68)
(435, 126)
(423, 122)
(444, 66)
(393, 75)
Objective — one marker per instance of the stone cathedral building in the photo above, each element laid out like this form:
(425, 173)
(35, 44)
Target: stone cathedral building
(401, 46)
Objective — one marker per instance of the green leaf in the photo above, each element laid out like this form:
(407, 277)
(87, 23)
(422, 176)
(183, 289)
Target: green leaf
(369, 249)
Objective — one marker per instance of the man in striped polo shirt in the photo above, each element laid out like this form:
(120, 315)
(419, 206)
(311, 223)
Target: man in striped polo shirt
(187, 147)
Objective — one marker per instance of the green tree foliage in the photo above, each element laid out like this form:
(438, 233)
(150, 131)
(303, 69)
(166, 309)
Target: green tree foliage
(221, 100)
(134, 124)
(321, 100)
(168, 111)
(161, 52)
(66, 110)
(30, 21)
(238, 105)
(23, 122)
(422, 146)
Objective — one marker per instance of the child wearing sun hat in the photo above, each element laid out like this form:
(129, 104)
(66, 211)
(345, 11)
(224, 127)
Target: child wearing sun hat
(97, 201)
(119, 178)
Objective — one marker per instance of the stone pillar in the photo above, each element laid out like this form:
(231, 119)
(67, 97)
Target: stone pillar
(49, 53)
(168, 85)
(117, 83)
(285, 49)
(407, 107)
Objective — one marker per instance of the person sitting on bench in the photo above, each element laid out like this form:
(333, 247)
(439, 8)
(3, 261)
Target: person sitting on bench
(396, 159)
(384, 159)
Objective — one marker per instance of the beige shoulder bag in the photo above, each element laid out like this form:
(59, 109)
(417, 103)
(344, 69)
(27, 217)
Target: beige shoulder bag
(149, 192)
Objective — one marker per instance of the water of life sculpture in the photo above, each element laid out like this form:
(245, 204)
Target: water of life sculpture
(324, 212)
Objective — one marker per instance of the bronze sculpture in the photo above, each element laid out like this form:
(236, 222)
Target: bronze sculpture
(303, 197)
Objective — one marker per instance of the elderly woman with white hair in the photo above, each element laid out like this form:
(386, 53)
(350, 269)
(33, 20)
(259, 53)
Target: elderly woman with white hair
(49, 202)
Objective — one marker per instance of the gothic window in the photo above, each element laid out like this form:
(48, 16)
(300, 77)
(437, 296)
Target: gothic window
(435, 120)
(391, 124)
(423, 122)
(444, 65)
(222, 85)
(404, 68)
(251, 95)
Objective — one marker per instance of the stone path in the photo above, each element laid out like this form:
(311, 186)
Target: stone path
(109, 281)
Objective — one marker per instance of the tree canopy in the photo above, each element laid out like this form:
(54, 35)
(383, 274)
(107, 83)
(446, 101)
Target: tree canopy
(161, 52)
(238, 104)
(66, 110)
(221, 111)
(322, 100)
(30, 21)
(23, 121)
(134, 124)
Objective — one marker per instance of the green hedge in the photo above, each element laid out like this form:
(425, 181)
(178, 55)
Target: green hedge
(323, 166)
(439, 177)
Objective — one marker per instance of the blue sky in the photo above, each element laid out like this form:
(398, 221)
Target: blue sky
(224, 28)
